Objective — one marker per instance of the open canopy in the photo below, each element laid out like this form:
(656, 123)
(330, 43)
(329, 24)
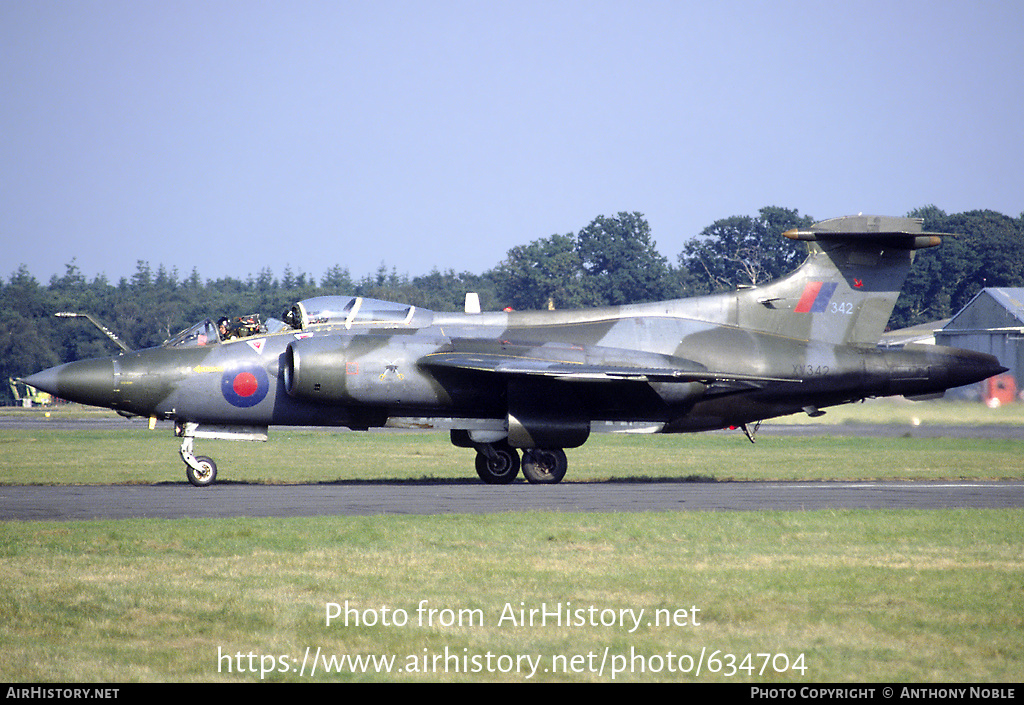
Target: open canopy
(347, 310)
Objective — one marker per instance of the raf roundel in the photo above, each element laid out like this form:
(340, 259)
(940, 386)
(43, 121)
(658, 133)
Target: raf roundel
(244, 386)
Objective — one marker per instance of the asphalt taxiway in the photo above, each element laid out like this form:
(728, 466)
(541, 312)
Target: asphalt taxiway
(178, 500)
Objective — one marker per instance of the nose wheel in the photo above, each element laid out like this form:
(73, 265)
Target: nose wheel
(200, 470)
(204, 473)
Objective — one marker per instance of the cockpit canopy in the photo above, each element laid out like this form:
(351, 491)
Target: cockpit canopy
(337, 310)
(347, 310)
(206, 332)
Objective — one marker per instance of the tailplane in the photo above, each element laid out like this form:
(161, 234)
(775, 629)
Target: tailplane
(845, 291)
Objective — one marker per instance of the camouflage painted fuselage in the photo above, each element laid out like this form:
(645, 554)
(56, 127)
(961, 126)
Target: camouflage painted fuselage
(804, 342)
(547, 379)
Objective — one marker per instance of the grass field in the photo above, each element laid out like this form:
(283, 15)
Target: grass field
(300, 456)
(899, 596)
(41, 456)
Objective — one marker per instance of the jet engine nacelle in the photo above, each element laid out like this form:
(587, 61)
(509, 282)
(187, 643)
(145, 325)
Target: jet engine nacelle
(366, 369)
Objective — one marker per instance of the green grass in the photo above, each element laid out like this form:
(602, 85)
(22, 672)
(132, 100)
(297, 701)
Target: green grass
(903, 412)
(40, 456)
(863, 596)
(300, 456)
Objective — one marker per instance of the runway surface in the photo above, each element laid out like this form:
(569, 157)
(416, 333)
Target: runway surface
(177, 500)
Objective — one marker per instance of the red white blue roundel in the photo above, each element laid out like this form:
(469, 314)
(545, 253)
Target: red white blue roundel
(245, 386)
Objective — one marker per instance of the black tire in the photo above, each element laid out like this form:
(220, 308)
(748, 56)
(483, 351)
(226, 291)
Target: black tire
(502, 468)
(207, 474)
(543, 466)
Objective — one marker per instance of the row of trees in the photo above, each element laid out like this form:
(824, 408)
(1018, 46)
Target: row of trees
(611, 261)
(614, 261)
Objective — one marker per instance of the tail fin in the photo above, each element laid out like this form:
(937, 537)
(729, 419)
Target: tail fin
(846, 289)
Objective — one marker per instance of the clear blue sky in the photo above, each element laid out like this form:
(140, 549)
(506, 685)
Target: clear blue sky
(233, 136)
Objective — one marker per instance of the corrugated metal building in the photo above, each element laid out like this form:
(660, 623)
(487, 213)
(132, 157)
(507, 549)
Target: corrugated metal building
(992, 322)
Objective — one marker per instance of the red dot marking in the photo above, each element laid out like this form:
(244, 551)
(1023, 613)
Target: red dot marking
(245, 384)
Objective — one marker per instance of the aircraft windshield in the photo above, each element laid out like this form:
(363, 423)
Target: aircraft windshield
(202, 333)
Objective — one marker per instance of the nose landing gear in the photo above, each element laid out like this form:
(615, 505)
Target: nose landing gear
(199, 469)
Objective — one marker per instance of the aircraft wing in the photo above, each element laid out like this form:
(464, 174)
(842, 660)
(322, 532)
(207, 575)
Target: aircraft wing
(587, 365)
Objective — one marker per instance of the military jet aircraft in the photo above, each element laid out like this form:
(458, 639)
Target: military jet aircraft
(538, 382)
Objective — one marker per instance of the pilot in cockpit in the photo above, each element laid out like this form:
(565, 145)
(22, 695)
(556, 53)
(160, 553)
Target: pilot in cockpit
(240, 327)
(225, 332)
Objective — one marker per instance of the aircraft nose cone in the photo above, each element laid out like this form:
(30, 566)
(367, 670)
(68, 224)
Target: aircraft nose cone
(45, 381)
(87, 382)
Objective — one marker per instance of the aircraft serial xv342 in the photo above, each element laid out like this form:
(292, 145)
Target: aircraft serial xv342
(520, 387)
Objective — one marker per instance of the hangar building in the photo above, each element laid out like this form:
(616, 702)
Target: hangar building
(992, 322)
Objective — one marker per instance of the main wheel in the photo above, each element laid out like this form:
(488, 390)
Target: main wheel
(543, 466)
(499, 467)
(205, 475)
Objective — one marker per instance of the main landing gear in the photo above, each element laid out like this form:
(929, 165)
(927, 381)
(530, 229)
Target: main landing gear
(498, 464)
